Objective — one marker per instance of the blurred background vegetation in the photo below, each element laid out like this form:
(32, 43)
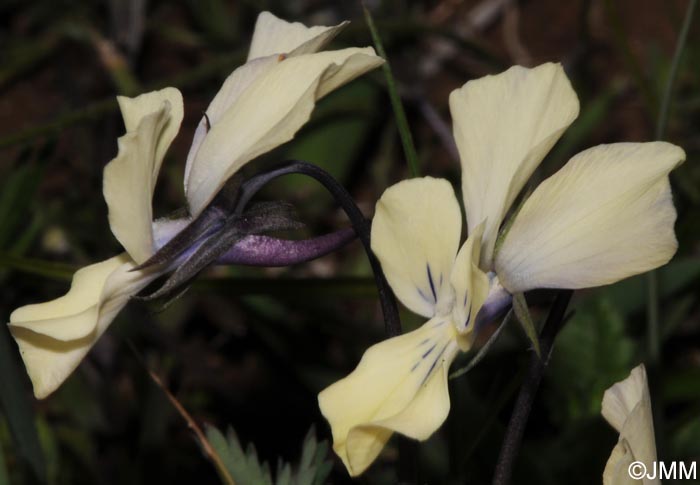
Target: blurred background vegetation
(251, 348)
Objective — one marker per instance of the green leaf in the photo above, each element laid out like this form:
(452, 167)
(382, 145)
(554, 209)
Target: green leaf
(245, 467)
(591, 353)
(18, 407)
(522, 313)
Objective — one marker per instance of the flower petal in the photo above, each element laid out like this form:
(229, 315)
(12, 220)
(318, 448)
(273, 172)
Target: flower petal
(470, 284)
(53, 337)
(400, 385)
(273, 35)
(152, 120)
(606, 215)
(236, 83)
(504, 125)
(268, 113)
(415, 235)
(627, 407)
(273, 41)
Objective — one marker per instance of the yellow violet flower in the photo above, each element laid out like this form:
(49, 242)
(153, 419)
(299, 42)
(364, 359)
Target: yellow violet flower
(261, 105)
(627, 407)
(606, 215)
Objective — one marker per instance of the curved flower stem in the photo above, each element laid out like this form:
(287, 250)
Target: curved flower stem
(359, 222)
(528, 391)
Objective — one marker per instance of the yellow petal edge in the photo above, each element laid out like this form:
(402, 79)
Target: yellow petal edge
(627, 407)
(53, 337)
(400, 385)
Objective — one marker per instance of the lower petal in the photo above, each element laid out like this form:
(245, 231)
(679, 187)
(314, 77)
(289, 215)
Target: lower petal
(53, 337)
(400, 385)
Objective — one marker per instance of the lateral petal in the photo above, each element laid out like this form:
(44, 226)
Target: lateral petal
(470, 284)
(400, 385)
(53, 337)
(504, 125)
(415, 235)
(268, 113)
(152, 120)
(627, 407)
(606, 215)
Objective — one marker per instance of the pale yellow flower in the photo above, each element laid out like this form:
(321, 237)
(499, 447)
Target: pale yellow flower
(627, 407)
(606, 215)
(261, 105)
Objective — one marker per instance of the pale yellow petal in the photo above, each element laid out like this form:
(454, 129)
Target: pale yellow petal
(273, 35)
(152, 120)
(606, 215)
(268, 113)
(504, 125)
(470, 284)
(627, 407)
(415, 235)
(400, 385)
(273, 41)
(236, 83)
(53, 337)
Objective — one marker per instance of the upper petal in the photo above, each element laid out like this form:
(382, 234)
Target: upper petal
(273, 35)
(504, 125)
(627, 407)
(606, 215)
(53, 337)
(415, 235)
(152, 120)
(237, 82)
(273, 41)
(268, 113)
(399, 385)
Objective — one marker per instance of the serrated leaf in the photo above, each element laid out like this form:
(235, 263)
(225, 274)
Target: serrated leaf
(284, 474)
(221, 447)
(309, 449)
(18, 407)
(522, 313)
(245, 467)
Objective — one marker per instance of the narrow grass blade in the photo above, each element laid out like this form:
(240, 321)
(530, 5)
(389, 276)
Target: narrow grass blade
(48, 269)
(401, 121)
(653, 339)
(18, 407)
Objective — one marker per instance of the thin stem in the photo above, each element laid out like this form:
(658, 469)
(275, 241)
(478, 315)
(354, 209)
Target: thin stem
(401, 121)
(528, 391)
(675, 63)
(359, 222)
(653, 341)
(206, 445)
